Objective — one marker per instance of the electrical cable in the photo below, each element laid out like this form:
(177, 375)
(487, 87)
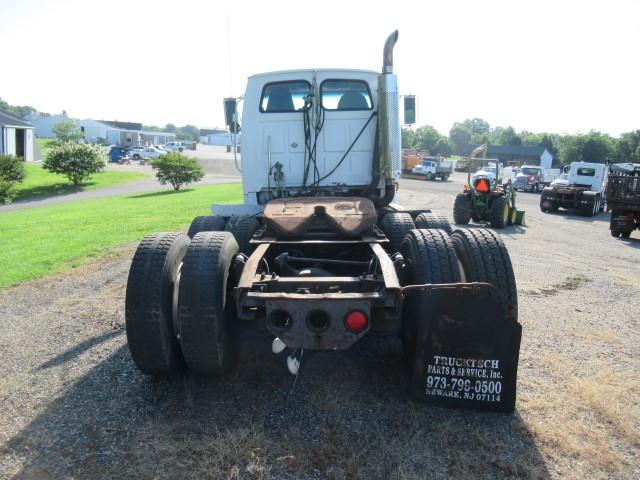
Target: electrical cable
(373, 114)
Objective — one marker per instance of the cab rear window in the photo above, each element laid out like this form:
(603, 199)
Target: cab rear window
(587, 172)
(345, 95)
(280, 97)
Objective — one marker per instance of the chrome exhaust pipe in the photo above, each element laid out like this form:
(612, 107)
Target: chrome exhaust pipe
(389, 116)
(387, 53)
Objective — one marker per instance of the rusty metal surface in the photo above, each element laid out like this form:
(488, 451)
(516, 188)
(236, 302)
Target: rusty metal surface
(386, 265)
(250, 268)
(294, 217)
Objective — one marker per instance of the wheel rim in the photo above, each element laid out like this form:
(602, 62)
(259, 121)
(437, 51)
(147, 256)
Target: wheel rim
(174, 302)
(505, 213)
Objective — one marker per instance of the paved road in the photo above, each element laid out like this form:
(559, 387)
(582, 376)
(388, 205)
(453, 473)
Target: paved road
(128, 188)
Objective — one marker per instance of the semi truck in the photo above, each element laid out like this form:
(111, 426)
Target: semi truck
(319, 255)
(533, 178)
(623, 198)
(583, 191)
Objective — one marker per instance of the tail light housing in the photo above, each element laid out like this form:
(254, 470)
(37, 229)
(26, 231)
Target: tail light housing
(356, 321)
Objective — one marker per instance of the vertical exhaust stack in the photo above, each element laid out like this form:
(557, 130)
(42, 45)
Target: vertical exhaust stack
(389, 115)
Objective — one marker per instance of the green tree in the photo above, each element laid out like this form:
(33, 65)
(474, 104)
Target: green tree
(444, 147)
(477, 126)
(177, 169)
(169, 127)
(408, 138)
(76, 161)
(506, 136)
(188, 132)
(12, 172)
(66, 130)
(19, 111)
(426, 137)
(626, 147)
(593, 147)
(460, 136)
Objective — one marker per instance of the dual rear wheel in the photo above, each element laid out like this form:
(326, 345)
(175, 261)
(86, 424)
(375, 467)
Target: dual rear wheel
(178, 311)
(467, 255)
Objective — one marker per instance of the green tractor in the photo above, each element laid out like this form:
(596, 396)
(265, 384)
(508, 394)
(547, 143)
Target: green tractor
(485, 197)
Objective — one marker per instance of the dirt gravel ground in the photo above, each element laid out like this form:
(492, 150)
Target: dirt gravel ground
(73, 405)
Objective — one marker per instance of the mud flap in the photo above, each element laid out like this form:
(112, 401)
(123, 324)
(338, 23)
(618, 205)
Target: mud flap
(467, 352)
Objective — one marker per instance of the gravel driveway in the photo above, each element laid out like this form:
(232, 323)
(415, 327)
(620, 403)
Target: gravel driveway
(73, 405)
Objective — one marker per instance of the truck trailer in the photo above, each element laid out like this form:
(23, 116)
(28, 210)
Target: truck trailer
(623, 198)
(319, 256)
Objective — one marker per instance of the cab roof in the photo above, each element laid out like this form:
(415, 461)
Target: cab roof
(315, 70)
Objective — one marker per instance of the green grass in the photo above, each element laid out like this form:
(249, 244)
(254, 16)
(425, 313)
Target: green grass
(42, 183)
(45, 145)
(44, 240)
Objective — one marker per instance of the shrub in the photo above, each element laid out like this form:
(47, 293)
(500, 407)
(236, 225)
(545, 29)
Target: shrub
(11, 173)
(177, 169)
(76, 161)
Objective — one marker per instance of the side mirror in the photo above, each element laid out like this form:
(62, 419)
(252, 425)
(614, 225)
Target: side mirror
(409, 109)
(231, 114)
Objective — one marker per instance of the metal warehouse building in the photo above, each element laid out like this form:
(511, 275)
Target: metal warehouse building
(516, 156)
(16, 137)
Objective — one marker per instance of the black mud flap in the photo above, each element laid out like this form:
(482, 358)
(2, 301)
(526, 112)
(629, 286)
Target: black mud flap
(467, 353)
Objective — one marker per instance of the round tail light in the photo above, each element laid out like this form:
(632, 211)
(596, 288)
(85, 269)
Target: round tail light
(356, 321)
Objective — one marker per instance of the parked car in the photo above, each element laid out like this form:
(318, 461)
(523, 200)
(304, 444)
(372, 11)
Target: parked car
(145, 152)
(175, 146)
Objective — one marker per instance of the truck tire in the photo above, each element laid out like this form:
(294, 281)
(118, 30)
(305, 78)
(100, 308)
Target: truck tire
(499, 214)
(430, 257)
(484, 258)
(206, 223)
(243, 227)
(431, 220)
(149, 313)
(395, 226)
(445, 177)
(589, 209)
(462, 209)
(205, 308)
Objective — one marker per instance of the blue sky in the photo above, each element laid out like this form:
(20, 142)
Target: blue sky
(560, 66)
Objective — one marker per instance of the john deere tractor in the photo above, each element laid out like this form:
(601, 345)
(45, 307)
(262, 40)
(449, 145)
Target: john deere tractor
(485, 198)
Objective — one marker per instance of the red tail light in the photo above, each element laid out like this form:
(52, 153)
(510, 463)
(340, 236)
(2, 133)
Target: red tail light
(356, 321)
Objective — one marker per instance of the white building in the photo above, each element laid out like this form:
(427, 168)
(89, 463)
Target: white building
(217, 136)
(110, 132)
(16, 137)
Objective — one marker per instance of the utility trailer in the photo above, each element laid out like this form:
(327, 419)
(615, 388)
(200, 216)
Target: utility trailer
(318, 256)
(623, 198)
(583, 191)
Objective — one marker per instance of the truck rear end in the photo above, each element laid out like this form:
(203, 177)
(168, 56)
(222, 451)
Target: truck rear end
(318, 256)
(623, 199)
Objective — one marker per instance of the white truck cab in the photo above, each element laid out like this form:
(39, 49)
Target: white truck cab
(342, 104)
(585, 174)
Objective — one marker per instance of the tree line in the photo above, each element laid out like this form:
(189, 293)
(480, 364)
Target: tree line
(566, 148)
